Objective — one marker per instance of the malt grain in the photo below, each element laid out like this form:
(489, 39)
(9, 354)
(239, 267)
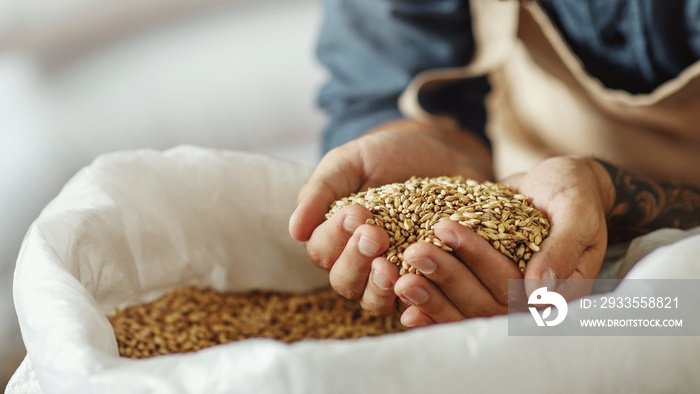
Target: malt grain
(408, 211)
(190, 319)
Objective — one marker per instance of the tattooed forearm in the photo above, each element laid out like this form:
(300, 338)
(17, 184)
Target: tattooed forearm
(643, 204)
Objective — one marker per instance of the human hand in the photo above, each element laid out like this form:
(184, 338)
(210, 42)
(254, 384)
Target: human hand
(347, 246)
(574, 193)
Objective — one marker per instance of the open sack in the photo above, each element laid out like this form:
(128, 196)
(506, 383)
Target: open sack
(134, 225)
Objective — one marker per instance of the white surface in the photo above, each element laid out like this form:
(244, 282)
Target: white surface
(58, 26)
(127, 244)
(79, 78)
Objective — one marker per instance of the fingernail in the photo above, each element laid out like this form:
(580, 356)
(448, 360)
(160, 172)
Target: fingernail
(425, 265)
(351, 223)
(415, 295)
(411, 324)
(381, 281)
(548, 278)
(406, 322)
(447, 236)
(368, 247)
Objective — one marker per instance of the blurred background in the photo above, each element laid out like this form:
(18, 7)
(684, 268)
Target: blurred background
(79, 78)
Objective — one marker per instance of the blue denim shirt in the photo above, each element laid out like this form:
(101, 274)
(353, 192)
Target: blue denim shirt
(373, 48)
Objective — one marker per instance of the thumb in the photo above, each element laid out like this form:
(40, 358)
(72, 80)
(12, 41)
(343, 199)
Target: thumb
(567, 256)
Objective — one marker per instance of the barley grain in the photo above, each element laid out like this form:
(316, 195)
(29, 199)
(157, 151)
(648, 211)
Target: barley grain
(410, 210)
(189, 319)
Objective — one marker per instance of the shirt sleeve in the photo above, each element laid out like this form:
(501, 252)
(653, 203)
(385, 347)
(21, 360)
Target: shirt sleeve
(373, 48)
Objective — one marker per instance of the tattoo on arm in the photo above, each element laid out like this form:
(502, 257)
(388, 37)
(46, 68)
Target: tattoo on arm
(643, 204)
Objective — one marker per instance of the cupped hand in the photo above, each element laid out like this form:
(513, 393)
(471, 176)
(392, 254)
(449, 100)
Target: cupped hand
(344, 244)
(575, 193)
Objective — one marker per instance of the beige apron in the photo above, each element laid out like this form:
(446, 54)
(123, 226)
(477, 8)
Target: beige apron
(543, 103)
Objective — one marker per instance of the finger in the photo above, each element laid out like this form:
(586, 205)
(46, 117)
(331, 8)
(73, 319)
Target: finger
(418, 292)
(336, 176)
(379, 298)
(350, 271)
(454, 279)
(412, 317)
(490, 266)
(330, 237)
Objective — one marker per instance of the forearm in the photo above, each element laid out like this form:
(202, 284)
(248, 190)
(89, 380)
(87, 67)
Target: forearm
(643, 204)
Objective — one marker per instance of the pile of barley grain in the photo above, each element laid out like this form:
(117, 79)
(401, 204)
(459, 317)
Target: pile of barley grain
(190, 318)
(408, 212)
